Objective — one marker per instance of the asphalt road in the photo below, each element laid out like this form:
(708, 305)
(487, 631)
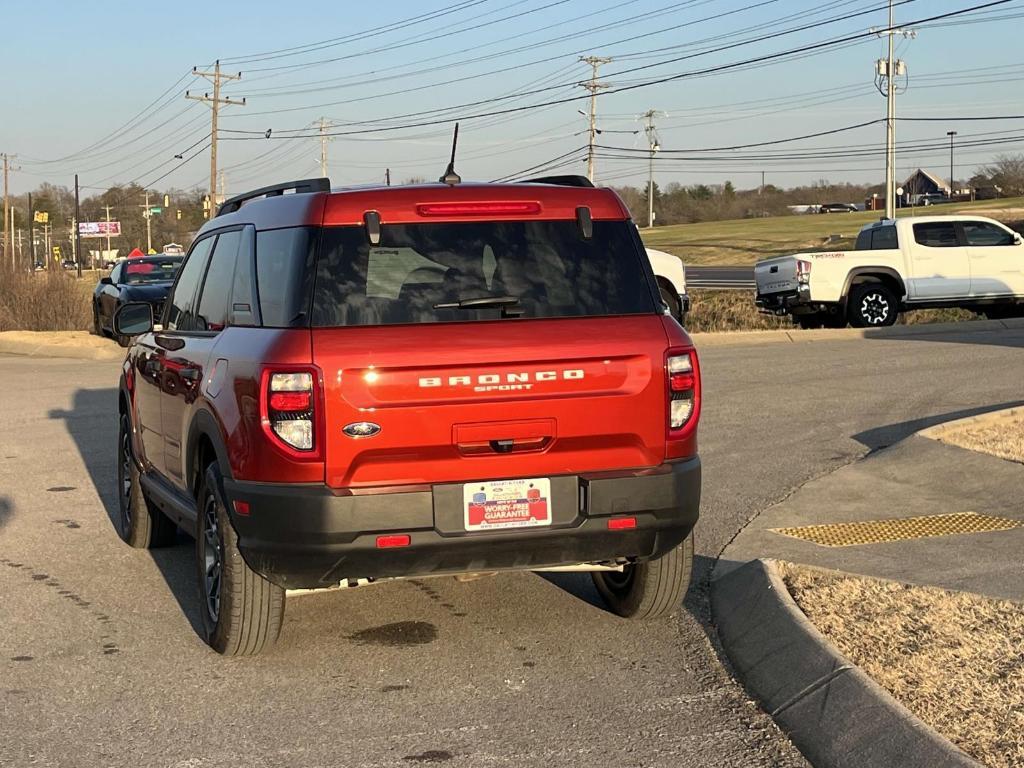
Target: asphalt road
(100, 666)
(736, 278)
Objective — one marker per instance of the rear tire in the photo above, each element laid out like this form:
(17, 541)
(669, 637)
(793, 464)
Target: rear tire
(650, 589)
(140, 524)
(872, 305)
(241, 611)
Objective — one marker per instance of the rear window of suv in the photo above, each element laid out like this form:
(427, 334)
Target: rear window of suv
(418, 272)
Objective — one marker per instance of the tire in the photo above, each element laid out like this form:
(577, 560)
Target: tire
(241, 611)
(139, 523)
(96, 328)
(872, 305)
(650, 589)
(670, 299)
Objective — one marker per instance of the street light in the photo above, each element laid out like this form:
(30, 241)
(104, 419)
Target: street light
(951, 134)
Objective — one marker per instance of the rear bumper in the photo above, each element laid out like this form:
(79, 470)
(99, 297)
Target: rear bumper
(794, 302)
(308, 536)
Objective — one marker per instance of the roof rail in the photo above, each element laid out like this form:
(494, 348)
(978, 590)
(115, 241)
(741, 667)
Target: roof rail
(304, 186)
(561, 181)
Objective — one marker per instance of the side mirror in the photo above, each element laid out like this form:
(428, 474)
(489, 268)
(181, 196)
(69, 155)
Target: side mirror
(133, 319)
(105, 280)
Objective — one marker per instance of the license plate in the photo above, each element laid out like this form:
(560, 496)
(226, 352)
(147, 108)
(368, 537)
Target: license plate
(507, 504)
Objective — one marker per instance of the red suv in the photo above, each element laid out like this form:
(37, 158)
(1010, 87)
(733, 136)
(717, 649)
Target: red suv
(380, 383)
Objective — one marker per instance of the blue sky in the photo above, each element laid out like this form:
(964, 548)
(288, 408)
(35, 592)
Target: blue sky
(113, 75)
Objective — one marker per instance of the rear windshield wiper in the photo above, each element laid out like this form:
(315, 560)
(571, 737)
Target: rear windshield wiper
(508, 304)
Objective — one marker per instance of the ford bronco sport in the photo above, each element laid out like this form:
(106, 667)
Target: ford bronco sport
(362, 384)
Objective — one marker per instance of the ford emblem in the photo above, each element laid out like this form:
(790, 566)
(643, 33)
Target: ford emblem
(361, 429)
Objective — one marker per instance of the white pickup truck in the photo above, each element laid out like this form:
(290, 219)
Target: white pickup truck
(671, 276)
(898, 265)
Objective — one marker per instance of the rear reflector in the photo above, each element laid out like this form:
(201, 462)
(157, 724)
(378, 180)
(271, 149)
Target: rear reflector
(241, 508)
(395, 540)
(495, 208)
(291, 401)
(621, 523)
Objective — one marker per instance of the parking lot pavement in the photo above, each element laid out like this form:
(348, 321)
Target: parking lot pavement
(100, 666)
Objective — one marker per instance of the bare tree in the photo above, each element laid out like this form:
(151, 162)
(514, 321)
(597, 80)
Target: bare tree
(1006, 172)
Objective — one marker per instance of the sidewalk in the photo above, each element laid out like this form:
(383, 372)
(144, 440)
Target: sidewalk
(916, 477)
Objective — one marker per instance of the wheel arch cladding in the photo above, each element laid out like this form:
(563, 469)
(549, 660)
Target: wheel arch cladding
(205, 443)
(884, 275)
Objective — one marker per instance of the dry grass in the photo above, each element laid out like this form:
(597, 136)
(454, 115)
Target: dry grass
(1001, 436)
(735, 311)
(44, 301)
(744, 241)
(956, 660)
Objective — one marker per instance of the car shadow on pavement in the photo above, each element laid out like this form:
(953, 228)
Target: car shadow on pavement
(6, 510)
(92, 424)
(995, 337)
(882, 437)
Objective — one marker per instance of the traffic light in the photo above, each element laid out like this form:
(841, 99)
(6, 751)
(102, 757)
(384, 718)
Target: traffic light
(167, 201)
(177, 214)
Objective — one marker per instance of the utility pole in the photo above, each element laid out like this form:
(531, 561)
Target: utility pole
(7, 212)
(78, 232)
(215, 101)
(107, 209)
(31, 233)
(951, 134)
(886, 72)
(761, 190)
(387, 176)
(324, 138)
(654, 146)
(147, 214)
(593, 86)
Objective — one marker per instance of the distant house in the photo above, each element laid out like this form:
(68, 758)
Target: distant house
(922, 182)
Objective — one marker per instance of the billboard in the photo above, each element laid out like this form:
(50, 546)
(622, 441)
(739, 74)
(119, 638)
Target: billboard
(99, 228)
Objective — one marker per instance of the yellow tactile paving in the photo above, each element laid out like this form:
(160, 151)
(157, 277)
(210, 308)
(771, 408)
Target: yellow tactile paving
(899, 529)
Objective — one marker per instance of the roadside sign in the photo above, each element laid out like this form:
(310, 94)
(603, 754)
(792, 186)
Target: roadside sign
(99, 228)
(42, 217)
(156, 210)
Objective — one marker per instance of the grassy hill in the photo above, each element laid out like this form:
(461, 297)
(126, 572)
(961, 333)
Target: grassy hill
(744, 241)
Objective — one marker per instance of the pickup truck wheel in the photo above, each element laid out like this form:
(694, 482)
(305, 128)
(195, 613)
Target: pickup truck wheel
(670, 299)
(241, 611)
(139, 523)
(872, 305)
(650, 589)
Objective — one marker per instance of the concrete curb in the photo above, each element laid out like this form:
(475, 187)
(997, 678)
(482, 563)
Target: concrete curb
(937, 432)
(44, 349)
(795, 336)
(834, 713)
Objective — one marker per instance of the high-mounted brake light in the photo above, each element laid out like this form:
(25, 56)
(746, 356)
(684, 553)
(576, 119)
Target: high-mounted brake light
(493, 208)
(290, 410)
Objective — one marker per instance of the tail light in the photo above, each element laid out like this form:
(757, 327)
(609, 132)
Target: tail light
(803, 271)
(683, 386)
(291, 410)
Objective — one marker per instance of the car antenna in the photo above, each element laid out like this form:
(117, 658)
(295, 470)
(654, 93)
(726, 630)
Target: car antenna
(451, 178)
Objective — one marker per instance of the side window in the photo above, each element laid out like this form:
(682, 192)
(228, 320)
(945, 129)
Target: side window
(213, 304)
(181, 309)
(981, 233)
(285, 259)
(117, 273)
(883, 238)
(936, 234)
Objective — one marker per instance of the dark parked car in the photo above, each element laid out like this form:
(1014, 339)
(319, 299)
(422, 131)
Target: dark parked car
(837, 208)
(147, 279)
